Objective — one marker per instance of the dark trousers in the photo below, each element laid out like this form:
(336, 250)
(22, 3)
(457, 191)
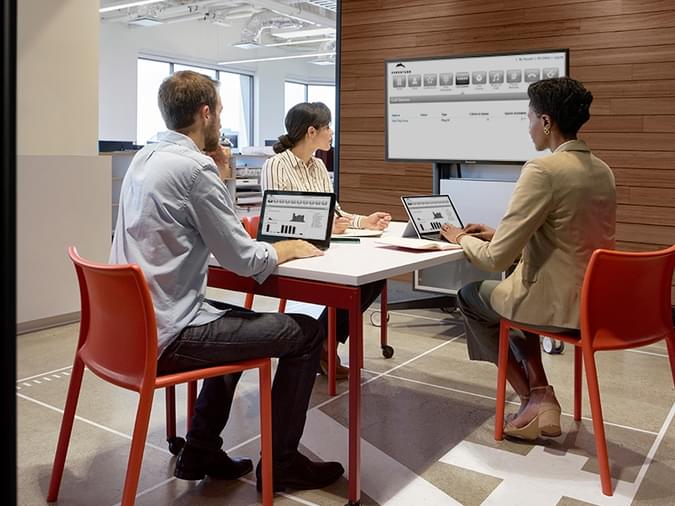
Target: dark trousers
(481, 324)
(240, 335)
(369, 293)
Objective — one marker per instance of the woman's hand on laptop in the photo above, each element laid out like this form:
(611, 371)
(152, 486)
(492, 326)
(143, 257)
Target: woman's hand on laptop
(451, 233)
(376, 221)
(295, 248)
(479, 230)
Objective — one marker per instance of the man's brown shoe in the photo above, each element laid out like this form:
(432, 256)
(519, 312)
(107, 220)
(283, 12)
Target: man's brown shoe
(341, 372)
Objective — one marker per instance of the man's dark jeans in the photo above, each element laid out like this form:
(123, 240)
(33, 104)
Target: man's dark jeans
(240, 335)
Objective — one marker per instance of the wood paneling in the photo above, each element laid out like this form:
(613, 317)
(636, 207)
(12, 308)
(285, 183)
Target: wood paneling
(623, 51)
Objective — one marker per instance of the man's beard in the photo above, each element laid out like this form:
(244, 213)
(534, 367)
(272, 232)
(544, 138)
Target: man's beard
(211, 138)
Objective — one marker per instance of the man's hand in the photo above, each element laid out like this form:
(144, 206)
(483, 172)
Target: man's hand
(340, 224)
(481, 231)
(376, 221)
(296, 248)
(222, 158)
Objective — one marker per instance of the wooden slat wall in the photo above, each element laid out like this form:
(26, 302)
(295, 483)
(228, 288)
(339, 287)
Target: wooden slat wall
(622, 50)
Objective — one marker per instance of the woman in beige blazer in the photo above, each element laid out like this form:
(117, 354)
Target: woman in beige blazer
(563, 207)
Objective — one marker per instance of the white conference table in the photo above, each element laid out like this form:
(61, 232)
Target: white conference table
(335, 279)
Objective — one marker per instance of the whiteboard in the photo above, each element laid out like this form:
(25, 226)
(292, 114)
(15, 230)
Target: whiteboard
(478, 200)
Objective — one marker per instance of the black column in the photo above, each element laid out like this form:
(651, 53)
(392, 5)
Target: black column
(8, 251)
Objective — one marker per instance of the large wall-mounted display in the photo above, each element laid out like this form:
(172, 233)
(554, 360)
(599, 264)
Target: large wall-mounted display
(469, 108)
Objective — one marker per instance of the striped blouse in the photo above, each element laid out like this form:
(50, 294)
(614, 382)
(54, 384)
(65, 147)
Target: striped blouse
(285, 171)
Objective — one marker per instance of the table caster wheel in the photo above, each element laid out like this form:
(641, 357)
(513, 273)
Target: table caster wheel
(553, 346)
(387, 351)
(175, 444)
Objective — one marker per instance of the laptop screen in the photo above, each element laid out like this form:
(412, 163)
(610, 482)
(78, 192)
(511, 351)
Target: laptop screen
(297, 215)
(429, 212)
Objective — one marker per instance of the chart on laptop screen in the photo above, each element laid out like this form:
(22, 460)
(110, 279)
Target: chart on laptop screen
(302, 217)
(429, 213)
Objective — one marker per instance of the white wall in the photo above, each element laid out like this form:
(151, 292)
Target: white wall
(63, 186)
(190, 42)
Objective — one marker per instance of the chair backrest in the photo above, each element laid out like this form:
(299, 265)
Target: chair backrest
(251, 225)
(626, 298)
(118, 330)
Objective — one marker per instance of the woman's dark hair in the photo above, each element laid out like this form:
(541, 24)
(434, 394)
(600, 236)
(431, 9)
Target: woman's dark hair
(182, 94)
(298, 120)
(565, 100)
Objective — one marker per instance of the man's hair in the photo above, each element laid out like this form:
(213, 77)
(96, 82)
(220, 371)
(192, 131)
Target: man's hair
(182, 94)
(565, 100)
(298, 120)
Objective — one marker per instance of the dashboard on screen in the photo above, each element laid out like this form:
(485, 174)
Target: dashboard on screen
(464, 108)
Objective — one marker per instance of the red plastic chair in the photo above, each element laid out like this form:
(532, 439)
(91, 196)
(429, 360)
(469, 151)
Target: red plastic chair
(251, 224)
(118, 343)
(625, 303)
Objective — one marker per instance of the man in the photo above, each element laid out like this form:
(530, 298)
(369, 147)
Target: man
(174, 211)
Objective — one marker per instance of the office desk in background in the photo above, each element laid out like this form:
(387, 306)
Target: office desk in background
(335, 279)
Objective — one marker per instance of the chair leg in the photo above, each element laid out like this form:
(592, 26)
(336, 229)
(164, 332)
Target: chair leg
(502, 364)
(578, 367)
(670, 342)
(138, 439)
(170, 396)
(265, 380)
(248, 301)
(332, 347)
(66, 429)
(598, 426)
(282, 305)
(191, 399)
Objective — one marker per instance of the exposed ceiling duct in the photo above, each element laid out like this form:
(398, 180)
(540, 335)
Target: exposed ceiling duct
(166, 11)
(289, 26)
(251, 33)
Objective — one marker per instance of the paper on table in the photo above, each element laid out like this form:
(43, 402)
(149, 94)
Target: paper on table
(359, 232)
(422, 244)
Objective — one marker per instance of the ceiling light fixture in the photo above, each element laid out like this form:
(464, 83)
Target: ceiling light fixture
(248, 44)
(240, 15)
(128, 4)
(275, 58)
(305, 32)
(145, 21)
(296, 42)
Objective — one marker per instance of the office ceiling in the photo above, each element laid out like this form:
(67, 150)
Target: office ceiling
(291, 26)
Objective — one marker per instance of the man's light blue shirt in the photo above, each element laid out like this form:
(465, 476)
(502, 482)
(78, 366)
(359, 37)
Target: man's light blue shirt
(174, 210)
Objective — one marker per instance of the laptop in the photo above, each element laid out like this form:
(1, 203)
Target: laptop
(427, 214)
(297, 215)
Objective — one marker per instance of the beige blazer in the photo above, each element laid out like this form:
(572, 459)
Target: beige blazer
(563, 207)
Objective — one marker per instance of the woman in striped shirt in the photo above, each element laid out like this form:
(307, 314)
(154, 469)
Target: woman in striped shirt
(295, 168)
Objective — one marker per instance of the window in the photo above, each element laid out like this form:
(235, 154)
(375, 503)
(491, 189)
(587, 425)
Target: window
(322, 93)
(236, 94)
(298, 92)
(294, 93)
(177, 67)
(148, 118)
